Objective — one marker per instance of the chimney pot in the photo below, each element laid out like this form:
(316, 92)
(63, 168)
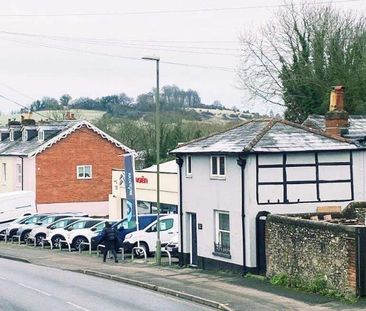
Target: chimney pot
(337, 98)
(336, 119)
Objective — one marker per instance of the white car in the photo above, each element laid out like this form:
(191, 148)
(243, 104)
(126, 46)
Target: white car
(60, 234)
(13, 223)
(78, 232)
(13, 228)
(25, 230)
(148, 236)
(78, 235)
(50, 223)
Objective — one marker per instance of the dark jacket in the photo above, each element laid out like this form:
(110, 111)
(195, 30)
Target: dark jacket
(109, 235)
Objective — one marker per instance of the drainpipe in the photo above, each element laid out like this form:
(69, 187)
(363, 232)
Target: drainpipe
(22, 159)
(179, 161)
(242, 162)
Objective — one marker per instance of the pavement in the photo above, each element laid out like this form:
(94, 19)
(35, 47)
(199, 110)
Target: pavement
(220, 290)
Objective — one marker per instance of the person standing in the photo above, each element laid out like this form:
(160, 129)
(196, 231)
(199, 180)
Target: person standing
(109, 237)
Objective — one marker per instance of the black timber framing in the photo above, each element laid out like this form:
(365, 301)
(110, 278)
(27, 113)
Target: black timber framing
(284, 165)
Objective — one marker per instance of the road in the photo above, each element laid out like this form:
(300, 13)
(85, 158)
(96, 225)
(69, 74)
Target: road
(26, 287)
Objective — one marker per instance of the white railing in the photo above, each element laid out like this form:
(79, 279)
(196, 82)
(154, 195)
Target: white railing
(64, 242)
(141, 249)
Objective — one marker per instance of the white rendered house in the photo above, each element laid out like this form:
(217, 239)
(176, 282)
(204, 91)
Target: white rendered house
(231, 180)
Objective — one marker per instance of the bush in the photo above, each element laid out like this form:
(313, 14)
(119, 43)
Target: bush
(317, 285)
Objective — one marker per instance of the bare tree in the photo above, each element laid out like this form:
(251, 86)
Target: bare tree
(300, 54)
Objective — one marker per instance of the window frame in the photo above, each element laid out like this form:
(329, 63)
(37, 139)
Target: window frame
(218, 167)
(19, 172)
(83, 167)
(24, 135)
(11, 134)
(3, 173)
(188, 166)
(219, 248)
(40, 135)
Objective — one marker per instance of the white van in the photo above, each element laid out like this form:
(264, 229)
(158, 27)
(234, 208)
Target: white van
(148, 236)
(16, 204)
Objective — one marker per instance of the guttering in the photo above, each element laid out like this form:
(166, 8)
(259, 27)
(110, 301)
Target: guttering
(179, 161)
(242, 163)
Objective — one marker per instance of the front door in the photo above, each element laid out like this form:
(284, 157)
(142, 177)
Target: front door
(194, 261)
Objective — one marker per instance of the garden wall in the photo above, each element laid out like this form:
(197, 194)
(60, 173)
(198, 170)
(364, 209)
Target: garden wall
(306, 251)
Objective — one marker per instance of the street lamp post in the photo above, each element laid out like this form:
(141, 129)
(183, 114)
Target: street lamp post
(157, 140)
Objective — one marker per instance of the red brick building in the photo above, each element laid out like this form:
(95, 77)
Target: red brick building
(68, 164)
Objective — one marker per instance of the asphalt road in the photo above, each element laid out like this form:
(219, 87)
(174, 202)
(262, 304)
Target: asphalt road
(28, 287)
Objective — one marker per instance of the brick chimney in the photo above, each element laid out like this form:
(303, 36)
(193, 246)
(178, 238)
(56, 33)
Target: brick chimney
(69, 116)
(336, 119)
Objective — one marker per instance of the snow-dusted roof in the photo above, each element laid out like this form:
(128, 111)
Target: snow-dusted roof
(266, 135)
(56, 132)
(356, 128)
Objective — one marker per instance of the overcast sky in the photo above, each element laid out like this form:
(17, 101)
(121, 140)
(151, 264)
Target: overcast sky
(50, 64)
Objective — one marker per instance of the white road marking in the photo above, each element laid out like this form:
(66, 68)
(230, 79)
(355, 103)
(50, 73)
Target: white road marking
(35, 289)
(2, 278)
(76, 306)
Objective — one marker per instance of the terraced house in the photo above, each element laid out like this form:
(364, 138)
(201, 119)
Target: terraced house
(68, 164)
(232, 180)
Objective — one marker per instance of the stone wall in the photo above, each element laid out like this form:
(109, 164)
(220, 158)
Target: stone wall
(306, 250)
(356, 210)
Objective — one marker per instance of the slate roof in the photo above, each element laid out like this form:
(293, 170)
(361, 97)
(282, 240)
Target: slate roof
(356, 129)
(266, 135)
(54, 132)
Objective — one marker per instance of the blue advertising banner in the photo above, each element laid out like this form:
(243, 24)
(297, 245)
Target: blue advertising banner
(130, 189)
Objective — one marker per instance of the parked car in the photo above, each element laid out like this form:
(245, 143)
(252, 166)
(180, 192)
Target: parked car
(13, 229)
(78, 235)
(39, 231)
(25, 229)
(56, 231)
(147, 237)
(64, 233)
(125, 227)
(13, 223)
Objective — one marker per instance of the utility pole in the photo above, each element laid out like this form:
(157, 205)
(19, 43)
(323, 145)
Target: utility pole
(157, 140)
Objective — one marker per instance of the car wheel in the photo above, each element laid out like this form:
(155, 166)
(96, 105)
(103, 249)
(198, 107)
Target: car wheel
(25, 236)
(2, 237)
(39, 238)
(56, 241)
(77, 243)
(139, 253)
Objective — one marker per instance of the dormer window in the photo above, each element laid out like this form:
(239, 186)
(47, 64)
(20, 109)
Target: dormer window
(25, 135)
(11, 135)
(40, 135)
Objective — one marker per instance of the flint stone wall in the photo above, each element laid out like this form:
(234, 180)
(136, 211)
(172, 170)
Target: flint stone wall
(306, 250)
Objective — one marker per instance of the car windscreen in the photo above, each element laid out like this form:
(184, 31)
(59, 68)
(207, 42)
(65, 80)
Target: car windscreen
(22, 220)
(62, 223)
(91, 223)
(34, 219)
(125, 224)
(48, 220)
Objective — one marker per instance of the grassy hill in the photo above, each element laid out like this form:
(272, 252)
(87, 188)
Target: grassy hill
(200, 114)
(90, 115)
